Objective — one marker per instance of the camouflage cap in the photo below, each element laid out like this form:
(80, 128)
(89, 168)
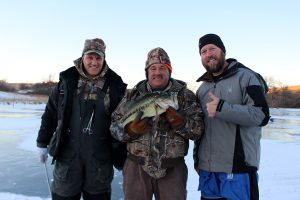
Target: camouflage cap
(158, 56)
(96, 45)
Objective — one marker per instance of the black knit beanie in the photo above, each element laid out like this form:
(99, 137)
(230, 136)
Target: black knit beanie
(211, 39)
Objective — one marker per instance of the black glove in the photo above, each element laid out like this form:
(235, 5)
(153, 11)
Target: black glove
(195, 155)
(175, 119)
(137, 127)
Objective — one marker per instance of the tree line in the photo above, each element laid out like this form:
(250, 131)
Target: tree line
(279, 95)
(43, 88)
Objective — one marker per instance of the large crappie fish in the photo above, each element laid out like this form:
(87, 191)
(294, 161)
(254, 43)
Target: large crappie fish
(152, 104)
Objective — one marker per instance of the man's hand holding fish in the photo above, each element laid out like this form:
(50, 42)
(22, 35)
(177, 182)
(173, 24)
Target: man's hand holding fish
(175, 119)
(138, 126)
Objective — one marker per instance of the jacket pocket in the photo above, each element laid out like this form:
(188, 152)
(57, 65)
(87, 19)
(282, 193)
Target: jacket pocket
(61, 170)
(103, 170)
(52, 147)
(55, 141)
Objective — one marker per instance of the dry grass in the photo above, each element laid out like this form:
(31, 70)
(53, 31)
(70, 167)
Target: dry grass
(294, 88)
(24, 98)
(40, 98)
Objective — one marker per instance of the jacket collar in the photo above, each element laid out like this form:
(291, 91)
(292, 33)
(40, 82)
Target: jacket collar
(232, 69)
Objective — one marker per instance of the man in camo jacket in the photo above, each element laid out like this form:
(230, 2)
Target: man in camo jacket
(157, 146)
(75, 127)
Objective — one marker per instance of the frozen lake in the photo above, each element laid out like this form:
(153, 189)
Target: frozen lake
(23, 177)
(20, 170)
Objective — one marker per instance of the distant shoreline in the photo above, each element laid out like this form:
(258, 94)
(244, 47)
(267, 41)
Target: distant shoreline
(14, 97)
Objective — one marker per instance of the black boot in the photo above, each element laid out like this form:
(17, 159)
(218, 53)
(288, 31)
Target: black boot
(203, 198)
(100, 196)
(57, 197)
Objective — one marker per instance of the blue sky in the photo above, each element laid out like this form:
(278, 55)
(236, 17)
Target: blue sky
(41, 38)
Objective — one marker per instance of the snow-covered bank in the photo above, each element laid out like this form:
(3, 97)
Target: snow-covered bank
(10, 196)
(17, 98)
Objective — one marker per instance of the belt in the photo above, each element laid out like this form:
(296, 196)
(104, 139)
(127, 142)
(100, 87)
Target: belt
(165, 163)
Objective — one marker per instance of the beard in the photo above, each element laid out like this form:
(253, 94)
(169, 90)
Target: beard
(215, 65)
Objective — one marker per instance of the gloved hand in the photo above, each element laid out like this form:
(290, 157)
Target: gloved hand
(175, 119)
(43, 153)
(137, 127)
(196, 156)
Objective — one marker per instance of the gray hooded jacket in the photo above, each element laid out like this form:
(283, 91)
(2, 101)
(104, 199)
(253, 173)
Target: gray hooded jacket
(231, 142)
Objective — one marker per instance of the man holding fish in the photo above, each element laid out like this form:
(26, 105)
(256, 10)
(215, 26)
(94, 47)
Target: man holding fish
(156, 119)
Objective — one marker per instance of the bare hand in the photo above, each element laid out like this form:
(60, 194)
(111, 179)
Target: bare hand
(211, 106)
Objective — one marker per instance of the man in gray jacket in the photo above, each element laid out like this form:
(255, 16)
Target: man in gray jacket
(232, 97)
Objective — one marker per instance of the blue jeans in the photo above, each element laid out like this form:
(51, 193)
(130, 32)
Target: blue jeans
(229, 186)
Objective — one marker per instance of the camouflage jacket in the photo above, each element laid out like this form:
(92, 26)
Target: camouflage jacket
(161, 143)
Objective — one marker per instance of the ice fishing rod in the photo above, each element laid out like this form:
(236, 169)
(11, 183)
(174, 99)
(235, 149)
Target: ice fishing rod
(47, 177)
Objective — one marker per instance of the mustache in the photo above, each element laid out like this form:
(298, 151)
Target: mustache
(212, 58)
(156, 76)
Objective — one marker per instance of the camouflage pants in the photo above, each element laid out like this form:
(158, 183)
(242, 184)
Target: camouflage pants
(137, 184)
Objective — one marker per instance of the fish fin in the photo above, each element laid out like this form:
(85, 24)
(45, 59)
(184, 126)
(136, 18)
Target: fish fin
(139, 115)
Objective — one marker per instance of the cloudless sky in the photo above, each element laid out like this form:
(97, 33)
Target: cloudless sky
(40, 38)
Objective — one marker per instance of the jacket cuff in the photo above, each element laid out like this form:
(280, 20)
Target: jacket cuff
(220, 105)
(40, 145)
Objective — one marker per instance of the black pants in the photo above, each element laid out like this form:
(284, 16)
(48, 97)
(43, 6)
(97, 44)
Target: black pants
(85, 195)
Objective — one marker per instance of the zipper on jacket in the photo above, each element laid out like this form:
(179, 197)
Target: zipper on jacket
(210, 139)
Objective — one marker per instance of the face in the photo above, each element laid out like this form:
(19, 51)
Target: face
(213, 59)
(158, 76)
(93, 64)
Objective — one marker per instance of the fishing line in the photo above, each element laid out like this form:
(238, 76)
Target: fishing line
(47, 178)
